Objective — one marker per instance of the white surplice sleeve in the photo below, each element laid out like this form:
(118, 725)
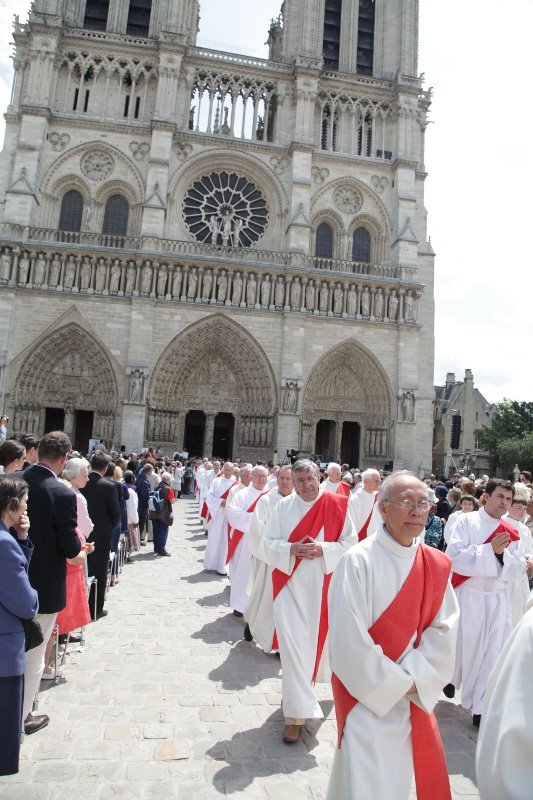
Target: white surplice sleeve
(469, 558)
(333, 551)
(277, 548)
(256, 541)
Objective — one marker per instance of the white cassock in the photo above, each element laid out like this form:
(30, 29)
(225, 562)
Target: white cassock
(504, 763)
(360, 505)
(207, 479)
(240, 565)
(519, 588)
(297, 606)
(484, 602)
(259, 612)
(375, 761)
(217, 527)
(450, 522)
(329, 486)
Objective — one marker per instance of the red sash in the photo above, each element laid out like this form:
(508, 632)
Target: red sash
(329, 512)
(205, 511)
(503, 527)
(413, 609)
(237, 535)
(343, 489)
(362, 534)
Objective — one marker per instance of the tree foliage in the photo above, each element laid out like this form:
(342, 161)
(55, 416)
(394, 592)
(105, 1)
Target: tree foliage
(510, 437)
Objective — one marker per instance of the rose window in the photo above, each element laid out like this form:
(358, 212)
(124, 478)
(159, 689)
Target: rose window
(226, 209)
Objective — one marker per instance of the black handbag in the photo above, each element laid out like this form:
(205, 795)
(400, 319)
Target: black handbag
(33, 635)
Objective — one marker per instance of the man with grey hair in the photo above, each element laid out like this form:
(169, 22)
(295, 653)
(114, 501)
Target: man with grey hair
(393, 626)
(333, 482)
(305, 536)
(239, 511)
(217, 527)
(363, 505)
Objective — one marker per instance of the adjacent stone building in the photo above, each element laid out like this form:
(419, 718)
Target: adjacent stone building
(218, 253)
(460, 399)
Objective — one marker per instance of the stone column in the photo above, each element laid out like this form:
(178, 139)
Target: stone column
(209, 431)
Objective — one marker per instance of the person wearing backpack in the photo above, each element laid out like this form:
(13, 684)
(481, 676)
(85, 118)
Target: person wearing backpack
(160, 512)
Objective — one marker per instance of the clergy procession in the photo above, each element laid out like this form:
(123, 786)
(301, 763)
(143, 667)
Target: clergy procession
(341, 575)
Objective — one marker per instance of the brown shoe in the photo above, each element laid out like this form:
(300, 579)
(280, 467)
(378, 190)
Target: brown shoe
(34, 723)
(291, 733)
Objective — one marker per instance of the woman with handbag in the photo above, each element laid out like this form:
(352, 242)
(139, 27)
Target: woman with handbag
(163, 519)
(18, 601)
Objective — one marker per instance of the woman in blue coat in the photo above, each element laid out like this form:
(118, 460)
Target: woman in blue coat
(17, 601)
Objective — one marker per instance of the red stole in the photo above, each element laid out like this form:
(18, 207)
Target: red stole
(236, 535)
(343, 489)
(413, 609)
(328, 512)
(362, 534)
(503, 527)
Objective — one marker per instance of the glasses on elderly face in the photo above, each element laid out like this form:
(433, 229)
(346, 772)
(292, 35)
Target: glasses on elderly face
(409, 505)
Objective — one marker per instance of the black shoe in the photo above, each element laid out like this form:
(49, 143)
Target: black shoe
(248, 633)
(35, 722)
(102, 613)
(449, 690)
(161, 552)
(237, 613)
(476, 720)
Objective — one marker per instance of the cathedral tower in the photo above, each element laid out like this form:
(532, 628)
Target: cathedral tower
(216, 253)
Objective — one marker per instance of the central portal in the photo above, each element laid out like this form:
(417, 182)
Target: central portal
(193, 440)
(223, 436)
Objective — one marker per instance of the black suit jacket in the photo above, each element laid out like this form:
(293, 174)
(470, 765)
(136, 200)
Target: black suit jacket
(103, 507)
(53, 520)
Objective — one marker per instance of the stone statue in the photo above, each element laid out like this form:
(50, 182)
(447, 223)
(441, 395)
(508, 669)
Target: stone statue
(393, 306)
(351, 302)
(222, 287)
(130, 278)
(265, 291)
(279, 294)
(207, 285)
(192, 284)
(55, 270)
(176, 283)
(408, 407)
(226, 228)
(239, 224)
(290, 400)
(323, 297)
(251, 286)
(69, 417)
(162, 280)
(136, 386)
(296, 293)
(24, 268)
(70, 273)
(365, 302)
(337, 299)
(85, 273)
(378, 305)
(409, 307)
(5, 273)
(146, 278)
(39, 271)
(213, 228)
(516, 473)
(89, 216)
(114, 281)
(101, 275)
(236, 293)
(310, 296)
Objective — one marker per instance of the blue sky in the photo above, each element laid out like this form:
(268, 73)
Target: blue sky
(477, 55)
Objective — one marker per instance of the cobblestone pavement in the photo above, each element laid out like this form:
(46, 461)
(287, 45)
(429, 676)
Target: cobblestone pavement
(168, 701)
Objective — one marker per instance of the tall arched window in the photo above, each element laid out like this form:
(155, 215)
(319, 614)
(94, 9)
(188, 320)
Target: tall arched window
(361, 245)
(116, 216)
(71, 212)
(324, 241)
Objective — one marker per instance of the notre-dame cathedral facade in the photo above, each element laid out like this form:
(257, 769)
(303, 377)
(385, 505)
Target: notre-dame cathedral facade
(209, 252)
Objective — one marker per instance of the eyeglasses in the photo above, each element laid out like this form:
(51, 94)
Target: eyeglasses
(408, 505)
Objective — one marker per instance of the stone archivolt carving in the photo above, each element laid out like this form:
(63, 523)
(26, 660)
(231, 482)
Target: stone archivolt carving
(347, 199)
(139, 150)
(58, 141)
(97, 165)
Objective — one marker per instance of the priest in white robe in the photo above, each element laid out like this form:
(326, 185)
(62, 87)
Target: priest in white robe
(217, 527)
(487, 560)
(259, 613)
(333, 478)
(504, 763)
(519, 588)
(302, 560)
(239, 512)
(363, 506)
(375, 755)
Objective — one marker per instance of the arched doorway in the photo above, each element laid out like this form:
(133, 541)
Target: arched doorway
(216, 369)
(347, 408)
(193, 440)
(67, 383)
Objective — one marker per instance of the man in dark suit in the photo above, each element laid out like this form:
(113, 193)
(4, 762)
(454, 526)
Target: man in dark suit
(104, 511)
(53, 519)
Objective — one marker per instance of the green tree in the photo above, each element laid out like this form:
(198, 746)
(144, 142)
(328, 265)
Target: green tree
(516, 451)
(513, 421)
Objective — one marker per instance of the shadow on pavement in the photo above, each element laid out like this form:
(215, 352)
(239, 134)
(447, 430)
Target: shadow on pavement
(213, 600)
(237, 667)
(223, 629)
(201, 577)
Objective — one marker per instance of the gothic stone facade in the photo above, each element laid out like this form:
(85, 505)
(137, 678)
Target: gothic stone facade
(218, 253)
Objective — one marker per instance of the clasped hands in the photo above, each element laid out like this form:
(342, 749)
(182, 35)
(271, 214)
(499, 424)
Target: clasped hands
(500, 542)
(306, 548)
